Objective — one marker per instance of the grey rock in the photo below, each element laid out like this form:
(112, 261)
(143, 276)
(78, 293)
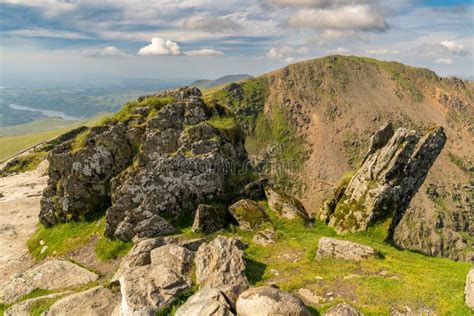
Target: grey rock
(209, 219)
(148, 288)
(469, 289)
(49, 275)
(265, 237)
(286, 206)
(206, 302)
(97, 301)
(255, 190)
(269, 301)
(387, 181)
(249, 214)
(220, 265)
(158, 164)
(342, 310)
(343, 249)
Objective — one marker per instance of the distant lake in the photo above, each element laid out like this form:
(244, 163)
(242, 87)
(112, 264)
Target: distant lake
(44, 112)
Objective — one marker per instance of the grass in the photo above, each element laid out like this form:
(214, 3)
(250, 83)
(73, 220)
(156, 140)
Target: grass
(153, 102)
(65, 237)
(412, 279)
(21, 137)
(24, 163)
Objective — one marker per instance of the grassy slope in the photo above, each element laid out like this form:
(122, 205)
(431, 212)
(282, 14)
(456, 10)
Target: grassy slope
(411, 279)
(24, 136)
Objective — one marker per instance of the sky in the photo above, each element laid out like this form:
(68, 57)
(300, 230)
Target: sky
(181, 39)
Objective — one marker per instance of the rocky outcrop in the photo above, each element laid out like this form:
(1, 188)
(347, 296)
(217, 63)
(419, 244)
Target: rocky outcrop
(286, 206)
(442, 226)
(469, 289)
(255, 190)
(265, 237)
(391, 174)
(146, 289)
(209, 219)
(49, 275)
(206, 301)
(97, 301)
(24, 308)
(342, 310)
(220, 265)
(157, 161)
(267, 301)
(249, 214)
(343, 249)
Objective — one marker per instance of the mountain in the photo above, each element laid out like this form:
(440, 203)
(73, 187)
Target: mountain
(207, 84)
(315, 118)
(299, 192)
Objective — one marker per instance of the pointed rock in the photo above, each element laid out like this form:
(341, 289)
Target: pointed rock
(286, 206)
(206, 302)
(249, 214)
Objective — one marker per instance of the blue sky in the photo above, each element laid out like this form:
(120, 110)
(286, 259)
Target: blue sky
(208, 38)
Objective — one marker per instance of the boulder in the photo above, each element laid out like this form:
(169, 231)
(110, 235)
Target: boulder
(140, 254)
(469, 289)
(97, 301)
(343, 249)
(286, 206)
(209, 219)
(220, 265)
(391, 174)
(206, 302)
(146, 289)
(342, 310)
(309, 297)
(269, 301)
(49, 275)
(265, 237)
(255, 190)
(249, 214)
(24, 308)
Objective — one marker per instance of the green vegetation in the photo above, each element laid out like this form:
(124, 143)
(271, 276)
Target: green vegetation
(24, 163)
(65, 237)
(222, 122)
(397, 279)
(80, 141)
(20, 138)
(180, 300)
(246, 99)
(275, 138)
(461, 164)
(153, 102)
(41, 306)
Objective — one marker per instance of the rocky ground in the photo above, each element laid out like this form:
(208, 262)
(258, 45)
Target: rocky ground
(19, 209)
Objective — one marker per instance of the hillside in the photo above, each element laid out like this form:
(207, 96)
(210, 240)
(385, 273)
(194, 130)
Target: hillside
(318, 116)
(207, 84)
(285, 194)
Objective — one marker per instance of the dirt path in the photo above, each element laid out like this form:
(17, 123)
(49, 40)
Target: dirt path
(19, 207)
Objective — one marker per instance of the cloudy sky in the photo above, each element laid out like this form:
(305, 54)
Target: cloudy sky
(209, 38)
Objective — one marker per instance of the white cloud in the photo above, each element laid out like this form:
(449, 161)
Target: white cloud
(444, 61)
(455, 48)
(47, 33)
(340, 51)
(204, 52)
(109, 51)
(300, 3)
(286, 53)
(160, 46)
(355, 17)
(335, 35)
(382, 51)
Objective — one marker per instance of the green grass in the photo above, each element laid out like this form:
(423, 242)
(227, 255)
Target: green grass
(24, 138)
(24, 163)
(413, 279)
(222, 122)
(153, 102)
(65, 237)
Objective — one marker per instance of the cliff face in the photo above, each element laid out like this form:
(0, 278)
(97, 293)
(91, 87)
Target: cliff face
(150, 166)
(318, 116)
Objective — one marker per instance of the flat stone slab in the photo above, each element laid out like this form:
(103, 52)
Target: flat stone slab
(49, 275)
(98, 301)
(343, 249)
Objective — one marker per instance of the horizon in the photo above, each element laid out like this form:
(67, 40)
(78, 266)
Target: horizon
(202, 39)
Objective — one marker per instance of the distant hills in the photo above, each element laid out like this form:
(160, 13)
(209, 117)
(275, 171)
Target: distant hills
(207, 84)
